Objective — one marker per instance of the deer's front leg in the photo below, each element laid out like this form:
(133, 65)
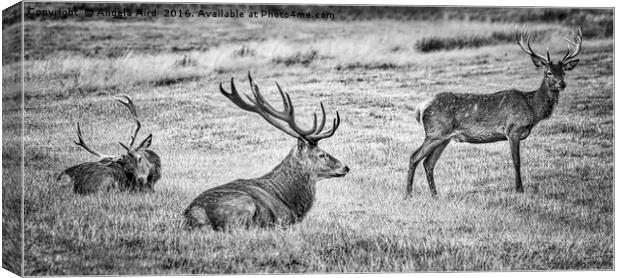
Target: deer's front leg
(515, 139)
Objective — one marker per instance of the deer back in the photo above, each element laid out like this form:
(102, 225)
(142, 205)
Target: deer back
(242, 202)
(92, 177)
(476, 118)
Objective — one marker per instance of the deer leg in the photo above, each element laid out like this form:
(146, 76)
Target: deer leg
(514, 140)
(423, 151)
(429, 165)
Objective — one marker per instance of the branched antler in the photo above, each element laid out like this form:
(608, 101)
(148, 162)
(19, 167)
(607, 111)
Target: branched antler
(576, 47)
(126, 101)
(82, 144)
(519, 39)
(259, 105)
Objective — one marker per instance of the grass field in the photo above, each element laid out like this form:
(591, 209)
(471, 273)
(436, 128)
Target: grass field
(371, 72)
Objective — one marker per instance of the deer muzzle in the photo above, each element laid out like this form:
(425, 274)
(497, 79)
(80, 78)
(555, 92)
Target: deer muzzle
(141, 181)
(562, 85)
(342, 171)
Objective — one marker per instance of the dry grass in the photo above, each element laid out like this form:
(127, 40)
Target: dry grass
(371, 73)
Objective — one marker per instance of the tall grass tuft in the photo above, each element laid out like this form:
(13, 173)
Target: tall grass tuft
(186, 61)
(299, 58)
(244, 51)
(435, 43)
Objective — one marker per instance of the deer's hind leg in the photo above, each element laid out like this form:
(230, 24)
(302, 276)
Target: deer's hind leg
(428, 146)
(237, 212)
(429, 165)
(195, 216)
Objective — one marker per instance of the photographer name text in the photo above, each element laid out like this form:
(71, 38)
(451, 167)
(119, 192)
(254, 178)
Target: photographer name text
(179, 13)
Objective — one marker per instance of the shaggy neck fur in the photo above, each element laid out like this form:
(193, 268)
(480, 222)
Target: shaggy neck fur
(544, 100)
(293, 183)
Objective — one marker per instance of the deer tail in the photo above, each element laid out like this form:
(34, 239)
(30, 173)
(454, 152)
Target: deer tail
(418, 112)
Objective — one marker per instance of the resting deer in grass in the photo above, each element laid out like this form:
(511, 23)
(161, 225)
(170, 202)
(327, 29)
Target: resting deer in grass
(137, 170)
(485, 118)
(282, 196)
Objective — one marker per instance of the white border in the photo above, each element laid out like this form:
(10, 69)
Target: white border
(504, 3)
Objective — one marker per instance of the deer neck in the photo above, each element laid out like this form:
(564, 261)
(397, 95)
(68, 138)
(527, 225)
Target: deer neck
(544, 100)
(293, 184)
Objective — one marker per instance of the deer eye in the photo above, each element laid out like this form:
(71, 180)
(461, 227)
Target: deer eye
(549, 73)
(322, 155)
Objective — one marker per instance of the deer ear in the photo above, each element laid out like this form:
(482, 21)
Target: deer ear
(571, 65)
(146, 143)
(538, 62)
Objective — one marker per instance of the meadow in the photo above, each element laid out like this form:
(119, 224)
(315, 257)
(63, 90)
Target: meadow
(373, 73)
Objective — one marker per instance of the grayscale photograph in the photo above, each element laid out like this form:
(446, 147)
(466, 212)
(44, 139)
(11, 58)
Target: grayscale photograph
(187, 138)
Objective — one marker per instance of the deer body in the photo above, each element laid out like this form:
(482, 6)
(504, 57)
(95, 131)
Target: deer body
(485, 118)
(281, 197)
(476, 118)
(137, 170)
(92, 177)
(112, 174)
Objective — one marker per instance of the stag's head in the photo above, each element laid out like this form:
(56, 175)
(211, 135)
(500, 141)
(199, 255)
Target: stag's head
(135, 162)
(307, 152)
(318, 161)
(554, 72)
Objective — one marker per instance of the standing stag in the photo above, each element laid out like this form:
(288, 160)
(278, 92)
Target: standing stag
(505, 115)
(137, 170)
(282, 196)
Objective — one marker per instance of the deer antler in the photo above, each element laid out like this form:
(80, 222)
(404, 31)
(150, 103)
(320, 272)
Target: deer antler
(126, 100)
(260, 106)
(82, 144)
(576, 45)
(524, 35)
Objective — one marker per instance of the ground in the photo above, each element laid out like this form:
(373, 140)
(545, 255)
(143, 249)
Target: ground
(372, 73)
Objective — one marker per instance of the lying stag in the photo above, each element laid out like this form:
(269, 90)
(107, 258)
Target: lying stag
(505, 115)
(137, 170)
(284, 195)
